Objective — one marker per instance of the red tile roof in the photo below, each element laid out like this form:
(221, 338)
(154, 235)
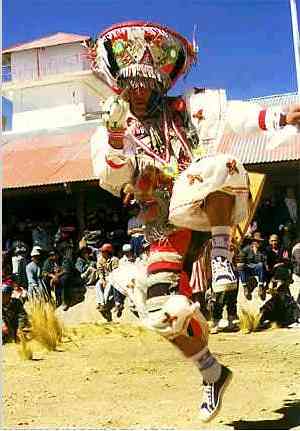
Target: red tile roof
(52, 40)
(48, 157)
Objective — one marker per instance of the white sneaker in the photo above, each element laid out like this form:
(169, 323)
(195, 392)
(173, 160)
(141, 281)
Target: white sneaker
(223, 277)
(294, 325)
(215, 327)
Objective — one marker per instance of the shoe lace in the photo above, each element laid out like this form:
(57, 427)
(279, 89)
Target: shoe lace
(208, 393)
(220, 265)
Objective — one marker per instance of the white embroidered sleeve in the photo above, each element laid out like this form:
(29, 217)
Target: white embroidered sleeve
(246, 117)
(113, 167)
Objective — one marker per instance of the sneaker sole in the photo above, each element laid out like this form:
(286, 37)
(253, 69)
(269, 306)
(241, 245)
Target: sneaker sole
(219, 405)
(226, 287)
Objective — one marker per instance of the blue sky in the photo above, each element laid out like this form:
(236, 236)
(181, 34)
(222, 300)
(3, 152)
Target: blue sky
(245, 46)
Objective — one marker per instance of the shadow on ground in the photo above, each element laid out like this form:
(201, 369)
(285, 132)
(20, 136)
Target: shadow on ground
(290, 412)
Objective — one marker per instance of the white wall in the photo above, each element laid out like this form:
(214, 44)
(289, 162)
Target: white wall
(91, 101)
(47, 96)
(60, 116)
(24, 65)
(53, 105)
(62, 59)
(35, 63)
(48, 106)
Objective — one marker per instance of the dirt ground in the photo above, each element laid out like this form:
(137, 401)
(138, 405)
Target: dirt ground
(121, 376)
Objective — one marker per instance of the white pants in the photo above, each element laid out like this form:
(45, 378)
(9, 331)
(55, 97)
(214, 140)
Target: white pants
(103, 295)
(200, 179)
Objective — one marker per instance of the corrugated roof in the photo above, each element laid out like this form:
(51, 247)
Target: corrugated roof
(277, 99)
(52, 40)
(47, 157)
(252, 148)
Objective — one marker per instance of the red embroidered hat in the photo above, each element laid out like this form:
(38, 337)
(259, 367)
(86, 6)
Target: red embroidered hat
(141, 54)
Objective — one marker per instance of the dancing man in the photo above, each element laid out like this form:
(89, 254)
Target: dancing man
(160, 150)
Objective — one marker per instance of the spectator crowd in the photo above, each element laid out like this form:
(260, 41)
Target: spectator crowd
(51, 261)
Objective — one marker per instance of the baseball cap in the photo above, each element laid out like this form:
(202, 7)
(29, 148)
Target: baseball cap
(126, 248)
(36, 251)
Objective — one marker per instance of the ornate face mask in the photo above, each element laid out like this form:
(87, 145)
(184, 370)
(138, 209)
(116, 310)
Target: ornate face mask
(139, 54)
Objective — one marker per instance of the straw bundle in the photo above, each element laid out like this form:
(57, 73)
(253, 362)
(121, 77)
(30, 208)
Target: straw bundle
(249, 322)
(25, 350)
(45, 326)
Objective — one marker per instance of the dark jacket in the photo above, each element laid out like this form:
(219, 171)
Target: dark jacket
(248, 256)
(15, 317)
(273, 258)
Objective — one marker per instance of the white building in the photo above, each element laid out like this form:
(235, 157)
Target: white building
(49, 82)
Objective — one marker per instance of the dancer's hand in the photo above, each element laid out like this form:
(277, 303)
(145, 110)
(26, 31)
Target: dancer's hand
(293, 115)
(116, 110)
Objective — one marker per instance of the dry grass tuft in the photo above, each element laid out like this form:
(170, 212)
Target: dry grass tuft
(249, 322)
(24, 348)
(45, 326)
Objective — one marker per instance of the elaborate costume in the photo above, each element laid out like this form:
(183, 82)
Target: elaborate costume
(159, 150)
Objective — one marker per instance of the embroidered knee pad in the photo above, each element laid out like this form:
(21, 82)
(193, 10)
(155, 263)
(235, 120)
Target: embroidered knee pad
(170, 315)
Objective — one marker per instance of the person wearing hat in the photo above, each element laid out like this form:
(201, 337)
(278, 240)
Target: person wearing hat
(14, 316)
(106, 263)
(51, 270)
(127, 254)
(164, 149)
(86, 266)
(252, 263)
(36, 289)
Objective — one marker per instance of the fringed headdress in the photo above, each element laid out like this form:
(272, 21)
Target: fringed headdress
(140, 54)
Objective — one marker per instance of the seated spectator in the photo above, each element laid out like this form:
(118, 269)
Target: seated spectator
(36, 289)
(276, 254)
(252, 262)
(127, 254)
(19, 262)
(14, 316)
(86, 266)
(281, 308)
(106, 263)
(70, 289)
(50, 270)
(135, 230)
